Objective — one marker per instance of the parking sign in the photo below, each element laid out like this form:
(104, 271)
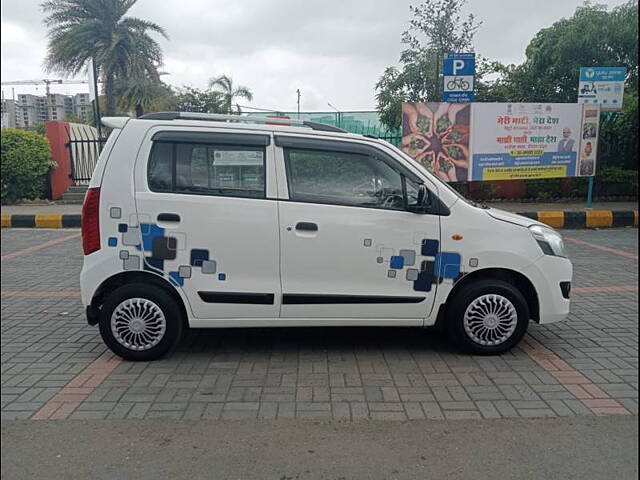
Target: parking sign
(459, 77)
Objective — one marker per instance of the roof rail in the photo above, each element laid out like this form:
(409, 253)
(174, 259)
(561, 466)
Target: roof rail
(219, 117)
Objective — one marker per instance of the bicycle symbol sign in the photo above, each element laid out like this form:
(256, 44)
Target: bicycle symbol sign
(459, 72)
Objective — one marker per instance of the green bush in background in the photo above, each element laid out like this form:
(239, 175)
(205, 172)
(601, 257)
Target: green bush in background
(610, 182)
(25, 162)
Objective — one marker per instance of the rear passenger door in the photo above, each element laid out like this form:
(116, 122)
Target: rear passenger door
(205, 222)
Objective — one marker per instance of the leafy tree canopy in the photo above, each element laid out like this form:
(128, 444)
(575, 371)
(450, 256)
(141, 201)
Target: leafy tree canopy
(227, 92)
(79, 30)
(435, 29)
(592, 36)
(190, 99)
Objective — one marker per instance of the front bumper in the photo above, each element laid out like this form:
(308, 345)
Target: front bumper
(92, 315)
(547, 274)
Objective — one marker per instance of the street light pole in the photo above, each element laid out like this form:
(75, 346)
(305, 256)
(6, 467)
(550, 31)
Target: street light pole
(298, 92)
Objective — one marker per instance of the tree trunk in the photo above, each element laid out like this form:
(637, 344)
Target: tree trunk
(108, 92)
(139, 110)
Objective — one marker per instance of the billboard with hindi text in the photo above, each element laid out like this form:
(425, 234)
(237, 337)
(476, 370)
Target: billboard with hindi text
(501, 141)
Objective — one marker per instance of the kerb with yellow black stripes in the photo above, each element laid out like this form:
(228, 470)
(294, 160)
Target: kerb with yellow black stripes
(553, 218)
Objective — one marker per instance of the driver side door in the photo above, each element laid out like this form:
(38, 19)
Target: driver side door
(350, 246)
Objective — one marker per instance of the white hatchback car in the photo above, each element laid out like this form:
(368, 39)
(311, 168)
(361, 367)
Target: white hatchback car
(207, 221)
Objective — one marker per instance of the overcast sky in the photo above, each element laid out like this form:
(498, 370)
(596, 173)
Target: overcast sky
(333, 50)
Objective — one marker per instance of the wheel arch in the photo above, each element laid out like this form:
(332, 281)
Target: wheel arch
(517, 279)
(137, 276)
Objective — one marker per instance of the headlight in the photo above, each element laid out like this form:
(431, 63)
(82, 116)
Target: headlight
(549, 240)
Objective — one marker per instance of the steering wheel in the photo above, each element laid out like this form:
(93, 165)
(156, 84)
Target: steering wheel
(392, 201)
(363, 189)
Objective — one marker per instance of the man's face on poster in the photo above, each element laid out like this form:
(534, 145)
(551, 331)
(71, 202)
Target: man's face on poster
(588, 149)
(566, 133)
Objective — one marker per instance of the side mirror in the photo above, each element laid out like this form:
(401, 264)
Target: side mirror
(423, 195)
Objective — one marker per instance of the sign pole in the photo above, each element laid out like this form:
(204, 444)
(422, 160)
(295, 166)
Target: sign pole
(603, 86)
(590, 194)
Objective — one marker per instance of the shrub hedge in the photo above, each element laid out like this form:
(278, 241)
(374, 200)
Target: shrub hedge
(25, 163)
(611, 183)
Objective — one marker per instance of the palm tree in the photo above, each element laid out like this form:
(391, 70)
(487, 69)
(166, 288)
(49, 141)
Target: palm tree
(228, 92)
(98, 29)
(142, 91)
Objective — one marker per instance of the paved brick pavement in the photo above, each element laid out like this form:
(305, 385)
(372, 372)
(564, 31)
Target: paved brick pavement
(55, 366)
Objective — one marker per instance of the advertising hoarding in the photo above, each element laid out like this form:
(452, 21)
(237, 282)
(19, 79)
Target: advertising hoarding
(501, 141)
(437, 136)
(525, 140)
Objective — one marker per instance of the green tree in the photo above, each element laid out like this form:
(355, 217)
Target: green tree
(37, 127)
(228, 92)
(73, 118)
(83, 29)
(25, 163)
(435, 29)
(591, 37)
(142, 91)
(191, 99)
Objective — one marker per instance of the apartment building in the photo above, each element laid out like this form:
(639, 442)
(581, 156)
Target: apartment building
(28, 110)
(8, 113)
(82, 107)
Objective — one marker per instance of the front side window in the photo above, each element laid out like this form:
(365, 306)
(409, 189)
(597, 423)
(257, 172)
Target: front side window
(207, 169)
(341, 178)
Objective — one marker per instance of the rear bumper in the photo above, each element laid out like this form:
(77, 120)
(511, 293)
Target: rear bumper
(550, 276)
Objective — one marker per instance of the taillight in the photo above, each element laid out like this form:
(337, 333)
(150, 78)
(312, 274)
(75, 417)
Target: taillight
(90, 221)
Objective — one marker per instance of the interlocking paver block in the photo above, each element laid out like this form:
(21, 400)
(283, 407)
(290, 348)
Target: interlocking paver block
(54, 365)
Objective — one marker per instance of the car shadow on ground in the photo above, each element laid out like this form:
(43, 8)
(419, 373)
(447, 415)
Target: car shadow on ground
(310, 339)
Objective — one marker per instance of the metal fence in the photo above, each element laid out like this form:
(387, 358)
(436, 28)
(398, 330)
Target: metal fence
(395, 140)
(84, 149)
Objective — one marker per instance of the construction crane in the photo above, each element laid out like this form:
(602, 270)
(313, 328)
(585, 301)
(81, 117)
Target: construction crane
(46, 82)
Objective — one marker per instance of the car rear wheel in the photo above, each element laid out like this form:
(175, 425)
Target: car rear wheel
(140, 322)
(488, 317)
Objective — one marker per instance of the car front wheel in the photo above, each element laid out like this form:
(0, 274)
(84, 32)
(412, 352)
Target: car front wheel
(488, 317)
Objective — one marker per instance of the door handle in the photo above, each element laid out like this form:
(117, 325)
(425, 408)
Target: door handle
(168, 217)
(307, 226)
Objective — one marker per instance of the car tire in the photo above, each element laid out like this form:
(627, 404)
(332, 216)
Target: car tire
(140, 322)
(487, 317)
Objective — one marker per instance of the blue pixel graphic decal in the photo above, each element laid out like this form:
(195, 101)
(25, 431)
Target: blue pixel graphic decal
(396, 262)
(159, 246)
(198, 256)
(435, 266)
(447, 265)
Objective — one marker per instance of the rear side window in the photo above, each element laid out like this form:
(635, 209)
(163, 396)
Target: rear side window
(207, 169)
